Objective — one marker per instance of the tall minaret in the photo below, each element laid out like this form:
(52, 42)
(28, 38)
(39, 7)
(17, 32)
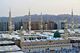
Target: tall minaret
(41, 26)
(46, 24)
(66, 28)
(10, 22)
(76, 23)
(72, 24)
(29, 21)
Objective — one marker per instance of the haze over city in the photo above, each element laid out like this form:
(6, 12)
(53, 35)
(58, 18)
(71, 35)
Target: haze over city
(21, 7)
(39, 26)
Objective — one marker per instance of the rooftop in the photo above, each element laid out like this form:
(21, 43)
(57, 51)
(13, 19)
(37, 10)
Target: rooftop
(11, 48)
(74, 38)
(6, 42)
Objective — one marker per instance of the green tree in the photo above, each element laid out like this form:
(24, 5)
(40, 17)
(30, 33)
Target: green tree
(57, 34)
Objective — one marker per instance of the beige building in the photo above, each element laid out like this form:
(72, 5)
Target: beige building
(36, 25)
(39, 43)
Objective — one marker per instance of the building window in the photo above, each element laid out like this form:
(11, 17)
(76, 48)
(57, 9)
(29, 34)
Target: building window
(38, 38)
(24, 38)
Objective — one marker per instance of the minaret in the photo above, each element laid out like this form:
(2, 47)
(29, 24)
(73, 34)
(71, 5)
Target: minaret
(41, 26)
(46, 26)
(22, 37)
(76, 23)
(26, 25)
(72, 24)
(10, 22)
(29, 22)
(66, 29)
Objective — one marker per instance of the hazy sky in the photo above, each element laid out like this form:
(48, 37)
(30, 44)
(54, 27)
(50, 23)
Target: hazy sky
(20, 7)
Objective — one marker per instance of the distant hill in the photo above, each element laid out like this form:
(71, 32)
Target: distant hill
(46, 17)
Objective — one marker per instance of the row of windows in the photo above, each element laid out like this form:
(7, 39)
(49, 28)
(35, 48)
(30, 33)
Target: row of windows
(7, 44)
(49, 46)
(42, 43)
(33, 38)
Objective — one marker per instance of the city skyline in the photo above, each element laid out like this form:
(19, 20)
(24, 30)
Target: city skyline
(21, 7)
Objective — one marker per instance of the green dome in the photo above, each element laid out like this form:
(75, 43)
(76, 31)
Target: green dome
(57, 34)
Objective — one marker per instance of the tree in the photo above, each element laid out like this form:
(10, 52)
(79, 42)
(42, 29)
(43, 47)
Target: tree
(57, 34)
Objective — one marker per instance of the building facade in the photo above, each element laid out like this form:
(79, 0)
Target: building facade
(36, 25)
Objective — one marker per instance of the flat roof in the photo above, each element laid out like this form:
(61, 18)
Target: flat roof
(15, 52)
(35, 36)
(9, 48)
(6, 42)
(74, 38)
